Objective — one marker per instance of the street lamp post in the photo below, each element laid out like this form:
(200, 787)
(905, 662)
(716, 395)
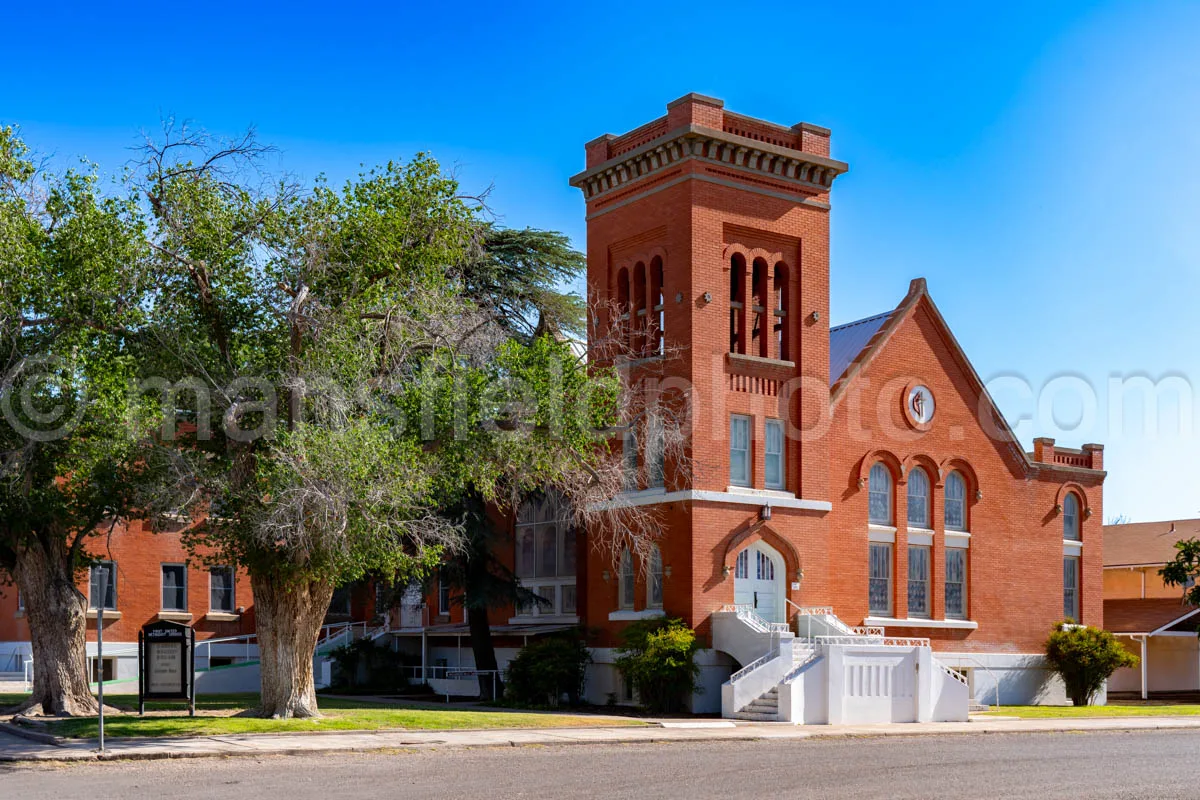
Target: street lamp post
(103, 575)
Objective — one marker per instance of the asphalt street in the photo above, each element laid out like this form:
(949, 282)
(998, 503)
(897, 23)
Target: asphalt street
(1151, 764)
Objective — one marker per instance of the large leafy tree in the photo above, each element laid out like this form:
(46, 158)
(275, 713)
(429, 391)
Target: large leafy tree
(70, 292)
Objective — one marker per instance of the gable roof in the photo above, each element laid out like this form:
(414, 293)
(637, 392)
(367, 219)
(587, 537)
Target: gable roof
(1150, 615)
(1146, 543)
(887, 324)
(847, 341)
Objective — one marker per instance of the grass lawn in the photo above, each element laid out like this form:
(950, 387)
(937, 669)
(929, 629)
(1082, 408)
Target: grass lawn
(218, 714)
(1076, 712)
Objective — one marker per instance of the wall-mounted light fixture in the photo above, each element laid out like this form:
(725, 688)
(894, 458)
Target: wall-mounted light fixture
(679, 297)
(1058, 508)
(1087, 513)
(862, 483)
(667, 571)
(815, 316)
(605, 576)
(725, 572)
(979, 494)
(764, 513)
(707, 297)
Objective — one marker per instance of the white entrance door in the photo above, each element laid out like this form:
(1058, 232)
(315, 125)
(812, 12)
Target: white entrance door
(756, 578)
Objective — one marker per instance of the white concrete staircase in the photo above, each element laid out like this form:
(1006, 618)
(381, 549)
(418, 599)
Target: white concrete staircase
(827, 671)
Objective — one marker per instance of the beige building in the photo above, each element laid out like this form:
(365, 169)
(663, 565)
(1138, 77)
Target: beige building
(1147, 614)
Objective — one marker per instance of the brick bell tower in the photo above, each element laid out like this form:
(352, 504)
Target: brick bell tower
(708, 234)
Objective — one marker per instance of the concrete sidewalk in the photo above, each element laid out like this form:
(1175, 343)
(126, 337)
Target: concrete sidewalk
(15, 748)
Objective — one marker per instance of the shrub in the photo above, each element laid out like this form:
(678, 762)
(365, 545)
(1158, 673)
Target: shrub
(658, 657)
(365, 665)
(547, 669)
(1084, 657)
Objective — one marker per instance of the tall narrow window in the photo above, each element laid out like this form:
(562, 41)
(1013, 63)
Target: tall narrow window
(782, 343)
(546, 555)
(918, 580)
(739, 450)
(956, 502)
(1070, 517)
(655, 451)
(758, 334)
(879, 495)
(918, 498)
(174, 587)
(443, 593)
(629, 457)
(654, 581)
(221, 589)
(774, 458)
(103, 594)
(1071, 587)
(625, 584)
(741, 568)
(624, 318)
(737, 305)
(658, 344)
(956, 583)
(879, 585)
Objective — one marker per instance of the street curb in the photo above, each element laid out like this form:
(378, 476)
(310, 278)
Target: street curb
(72, 754)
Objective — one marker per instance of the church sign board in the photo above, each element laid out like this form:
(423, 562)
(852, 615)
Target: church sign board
(166, 664)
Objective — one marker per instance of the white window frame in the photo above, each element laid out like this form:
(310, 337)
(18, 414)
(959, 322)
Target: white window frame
(927, 551)
(552, 587)
(918, 479)
(162, 587)
(232, 589)
(629, 463)
(112, 577)
(955, 478)
(626, 588)
(1076, 605)
(779, 455)
(736, 420)
(889, 578)
(443, 597)
(879, 471)
(1075, 531)
(956, 552)
(654, 579)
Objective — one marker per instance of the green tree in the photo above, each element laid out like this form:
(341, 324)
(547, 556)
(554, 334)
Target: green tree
(1185, 570)
(1084, 657)
(70, 310)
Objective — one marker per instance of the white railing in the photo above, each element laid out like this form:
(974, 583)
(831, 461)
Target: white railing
(873, 631)
(748, 615)
(801, 658)
(753, 665)
(992, 675)
(885, 641)
(952, 673)
(812, 611)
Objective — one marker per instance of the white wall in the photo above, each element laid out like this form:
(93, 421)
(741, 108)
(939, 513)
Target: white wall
(1172, 665)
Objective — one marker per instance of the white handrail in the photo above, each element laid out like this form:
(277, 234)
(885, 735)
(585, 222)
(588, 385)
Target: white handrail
(753, 665)
(992, 675)
(886, 641)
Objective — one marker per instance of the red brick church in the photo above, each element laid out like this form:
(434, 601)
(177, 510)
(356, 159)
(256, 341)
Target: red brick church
(859, 536)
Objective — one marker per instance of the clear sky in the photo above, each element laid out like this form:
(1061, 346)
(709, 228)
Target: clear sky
(1037, 162)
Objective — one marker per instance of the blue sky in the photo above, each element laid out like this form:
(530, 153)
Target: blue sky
(1036, 162)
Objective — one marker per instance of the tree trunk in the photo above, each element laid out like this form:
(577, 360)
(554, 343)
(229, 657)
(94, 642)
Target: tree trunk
(490, 686)
(288, 615)
(57, 615)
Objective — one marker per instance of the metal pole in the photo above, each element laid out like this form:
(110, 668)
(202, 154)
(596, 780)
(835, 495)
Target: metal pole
(100, 646)
(1144, 640)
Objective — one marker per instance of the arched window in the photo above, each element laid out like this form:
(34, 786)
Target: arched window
(759, 335)
(742, 567)
(879, 495)
(654, 581)
(737, 304)
(956, 502)
(623, 317)
(1071, 517)
(918, 498)
(639, 319)
(545, 562)
(782, 345)
(764, 566)
(625, 582)
(658, 341)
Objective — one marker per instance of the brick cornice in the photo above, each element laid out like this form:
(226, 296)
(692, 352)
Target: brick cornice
(808, 172)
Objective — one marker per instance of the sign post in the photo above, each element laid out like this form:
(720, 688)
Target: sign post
(167, 664)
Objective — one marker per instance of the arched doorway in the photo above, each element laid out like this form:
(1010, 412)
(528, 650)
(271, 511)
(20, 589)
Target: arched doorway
(758, 581)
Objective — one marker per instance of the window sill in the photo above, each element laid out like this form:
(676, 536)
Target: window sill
(742, 363)
(1072, 547)
(882, 534)
(629, 615)
(913, 622)
(920, 536)
(222, 616)
(958, 539)
(18, 614)
(175, 616)
(109, 613)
